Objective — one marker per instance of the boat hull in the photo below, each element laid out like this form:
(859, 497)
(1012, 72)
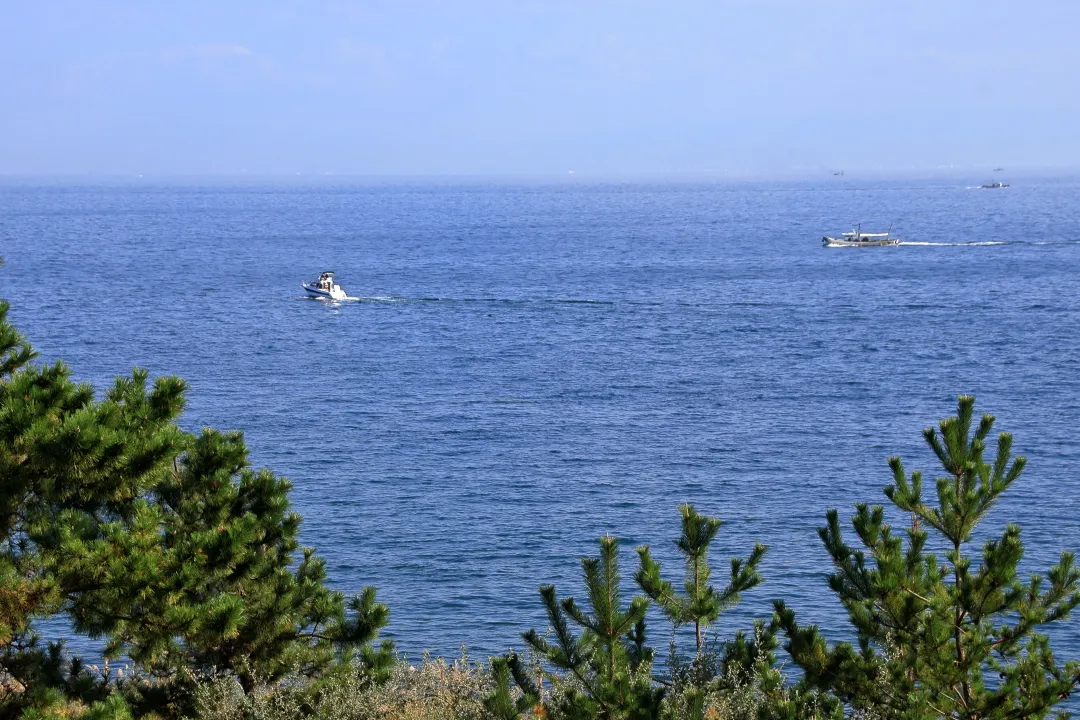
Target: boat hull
(315, 291)
(841, 242)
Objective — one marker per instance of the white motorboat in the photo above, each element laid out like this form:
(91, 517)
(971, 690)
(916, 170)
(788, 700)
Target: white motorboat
(325, 287)
(857, 238)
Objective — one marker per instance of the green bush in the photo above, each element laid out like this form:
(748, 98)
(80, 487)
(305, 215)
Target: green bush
(431, 690)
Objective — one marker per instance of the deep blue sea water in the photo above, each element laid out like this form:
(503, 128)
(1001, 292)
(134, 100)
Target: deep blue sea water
(530, 366)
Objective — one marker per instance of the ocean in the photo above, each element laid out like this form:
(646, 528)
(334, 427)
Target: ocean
(525, 366)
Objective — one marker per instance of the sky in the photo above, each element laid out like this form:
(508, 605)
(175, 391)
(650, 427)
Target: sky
(511, 87)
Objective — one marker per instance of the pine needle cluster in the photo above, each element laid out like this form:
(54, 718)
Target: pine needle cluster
(956, 636)
(168, 546)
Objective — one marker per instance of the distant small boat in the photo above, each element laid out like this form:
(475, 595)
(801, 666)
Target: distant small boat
(994, 185)
(839, 173)
(325, 287)
(998, 169)
(857, 238)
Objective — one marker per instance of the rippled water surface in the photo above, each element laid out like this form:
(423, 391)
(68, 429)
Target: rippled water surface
(527, 367)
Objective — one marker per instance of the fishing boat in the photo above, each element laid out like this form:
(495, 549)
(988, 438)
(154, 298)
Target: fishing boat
(857, 238)
(325, 287)
(994, 186)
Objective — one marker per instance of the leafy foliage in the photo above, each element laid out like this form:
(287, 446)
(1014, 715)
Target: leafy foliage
(700, 603)
(167, 545)
(604, 671)
(941, 638)
(429, 690)
(501, 702)
(233, 598)
(74, 472)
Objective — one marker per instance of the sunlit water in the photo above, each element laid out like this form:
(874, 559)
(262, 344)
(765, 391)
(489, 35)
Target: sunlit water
(522, 368)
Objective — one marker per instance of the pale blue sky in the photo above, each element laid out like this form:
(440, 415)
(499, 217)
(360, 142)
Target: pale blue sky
(493, 87)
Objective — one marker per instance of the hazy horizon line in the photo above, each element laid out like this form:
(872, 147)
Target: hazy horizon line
(837, 174)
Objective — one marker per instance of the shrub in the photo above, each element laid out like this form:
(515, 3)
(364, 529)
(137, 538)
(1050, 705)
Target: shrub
(431, 690)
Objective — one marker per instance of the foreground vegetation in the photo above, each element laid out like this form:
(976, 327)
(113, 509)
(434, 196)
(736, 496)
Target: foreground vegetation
(185, 560)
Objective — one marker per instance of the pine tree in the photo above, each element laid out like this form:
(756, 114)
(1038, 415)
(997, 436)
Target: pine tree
(954, 638)
(73, 471)
(235, 526)
(501, 702)
(701, 603)
(167, 545)
(22, 590)
(231, 596)
(74, 519)
(604, 672)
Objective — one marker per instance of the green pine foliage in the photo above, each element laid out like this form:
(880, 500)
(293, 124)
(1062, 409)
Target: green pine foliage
(235, 598)
(168, 546)
(700, 603)
(736, 678)
(22, 590)
(74, 474)
(956, 636)
(604, 672)
(503, 703)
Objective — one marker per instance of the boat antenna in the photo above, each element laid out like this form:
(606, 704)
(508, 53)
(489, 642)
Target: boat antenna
(890, 231)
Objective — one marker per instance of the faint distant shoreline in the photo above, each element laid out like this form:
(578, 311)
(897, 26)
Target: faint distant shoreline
(851, 177)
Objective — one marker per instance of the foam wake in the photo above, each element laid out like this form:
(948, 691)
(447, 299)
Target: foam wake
(956, 244)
